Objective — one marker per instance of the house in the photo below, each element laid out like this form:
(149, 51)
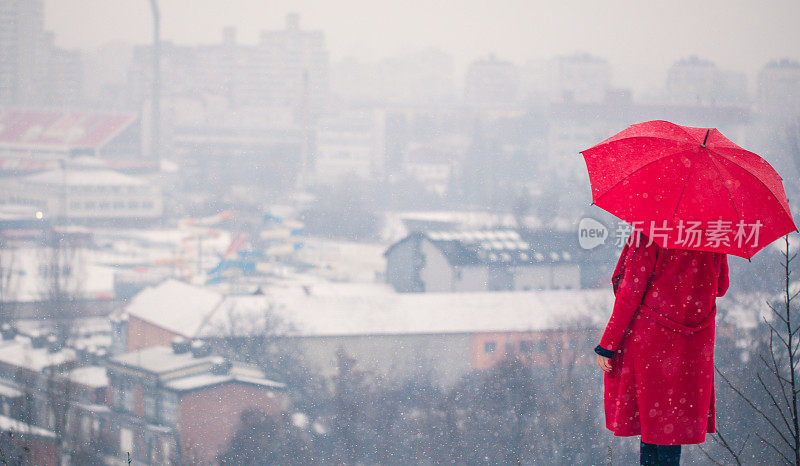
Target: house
(32, 396)
(180, 404)
(23, 443)
(444, 335)
(493, 260)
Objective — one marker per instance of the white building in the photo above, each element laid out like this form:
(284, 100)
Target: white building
(394, 334)
(696, 81)
(779, 90)
(491, 82)
(426, 77)
(287, 68)
(579, 78)
(351, 143)
(461, 261)
(86, 194)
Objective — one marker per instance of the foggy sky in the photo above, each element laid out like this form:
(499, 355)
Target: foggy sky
(639, 38)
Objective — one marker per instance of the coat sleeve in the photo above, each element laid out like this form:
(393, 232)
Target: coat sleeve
(639, 265)
(723, 281)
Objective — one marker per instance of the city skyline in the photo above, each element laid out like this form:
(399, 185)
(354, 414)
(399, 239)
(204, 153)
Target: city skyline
(738, 37)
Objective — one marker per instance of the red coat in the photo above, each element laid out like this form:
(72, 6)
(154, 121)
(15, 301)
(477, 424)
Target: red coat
(662, 329)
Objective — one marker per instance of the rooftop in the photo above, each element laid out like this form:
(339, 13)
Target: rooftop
(22, 354)
(8, 424)
(161, 360)
(89, 376)
(320, 308)
(60, 130)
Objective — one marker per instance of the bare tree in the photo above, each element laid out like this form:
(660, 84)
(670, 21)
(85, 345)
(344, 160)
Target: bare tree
(777, 377)
(8, 283)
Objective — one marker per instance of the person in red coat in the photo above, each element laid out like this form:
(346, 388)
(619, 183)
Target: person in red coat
(657, 350)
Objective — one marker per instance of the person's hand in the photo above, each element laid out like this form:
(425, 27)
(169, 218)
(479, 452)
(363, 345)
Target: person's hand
(604, 363)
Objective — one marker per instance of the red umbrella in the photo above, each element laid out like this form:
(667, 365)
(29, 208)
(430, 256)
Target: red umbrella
(689, 188)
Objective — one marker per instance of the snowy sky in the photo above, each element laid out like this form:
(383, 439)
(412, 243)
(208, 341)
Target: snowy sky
(640, 38)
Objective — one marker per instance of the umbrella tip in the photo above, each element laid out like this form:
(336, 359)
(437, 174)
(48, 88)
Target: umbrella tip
(706, 139)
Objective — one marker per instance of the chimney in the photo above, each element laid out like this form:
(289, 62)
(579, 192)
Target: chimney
(229, 36)
(200, 349)
(180, 345)
(53, 345)
(39, 341)
(221, 367)
(8, 331)
(292, 22)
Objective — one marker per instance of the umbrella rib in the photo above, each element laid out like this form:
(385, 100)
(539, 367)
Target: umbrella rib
(777, 198)
(685, 183)
(730, 195)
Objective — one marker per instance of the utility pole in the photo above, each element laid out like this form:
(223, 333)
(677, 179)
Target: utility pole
(305, 148)
(155, 101)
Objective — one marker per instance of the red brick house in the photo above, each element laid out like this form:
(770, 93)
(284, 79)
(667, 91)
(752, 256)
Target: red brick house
(180, 404)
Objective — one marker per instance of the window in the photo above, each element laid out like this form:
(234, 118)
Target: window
(489, 347)
(169, 408)
(122, 397)
(526, 346)
(150, 406)
(126, 440)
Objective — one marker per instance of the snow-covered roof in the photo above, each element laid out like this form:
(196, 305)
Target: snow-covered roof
(487, 247)
(207, 380)
(89, 376)
(175, 306)
(84, 177)
(162, 360)
(320, 308)
(8, 424)
(9, 392)
(23, 355)
(27, 284)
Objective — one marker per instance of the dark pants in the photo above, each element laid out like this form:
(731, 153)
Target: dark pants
(661, 455)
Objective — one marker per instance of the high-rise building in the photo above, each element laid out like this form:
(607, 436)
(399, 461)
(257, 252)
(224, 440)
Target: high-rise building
(291, 67)
(580, 78)
(491, 82)
(696, 81)
(779, 90)
(287, 69)
(22, 51)
(33, 72)
(421, 78)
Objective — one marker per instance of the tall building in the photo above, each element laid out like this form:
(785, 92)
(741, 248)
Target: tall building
(421, 78)
(292, 68)
(779, 90)
(287, 69)
(33, 72)
(696, 81)
(581, 78)
(491, 82)
(22, 43)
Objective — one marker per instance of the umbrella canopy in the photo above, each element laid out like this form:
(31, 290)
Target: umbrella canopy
(689, 188)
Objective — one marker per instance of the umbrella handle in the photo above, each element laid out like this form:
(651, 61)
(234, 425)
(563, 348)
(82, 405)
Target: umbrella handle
(706, 139)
